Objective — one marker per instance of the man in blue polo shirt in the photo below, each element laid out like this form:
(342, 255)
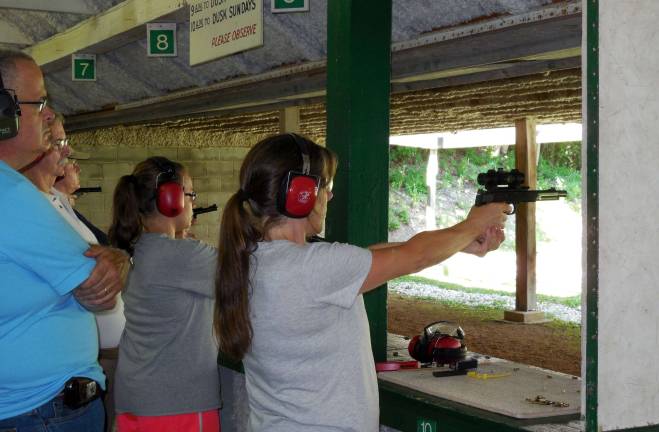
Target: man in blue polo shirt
(51, 279)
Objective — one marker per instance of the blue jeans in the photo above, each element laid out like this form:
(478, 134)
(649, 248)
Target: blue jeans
(54, 416)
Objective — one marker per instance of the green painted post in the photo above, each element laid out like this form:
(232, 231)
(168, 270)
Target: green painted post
(592, 210)
(358, 75)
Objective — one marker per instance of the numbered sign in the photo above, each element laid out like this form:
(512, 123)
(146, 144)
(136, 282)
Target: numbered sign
(161, 39)
(280, 6)
(424, 425)
(83, 67)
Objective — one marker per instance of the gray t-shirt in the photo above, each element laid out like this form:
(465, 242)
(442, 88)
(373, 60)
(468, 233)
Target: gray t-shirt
(167, 353)
(310, 367)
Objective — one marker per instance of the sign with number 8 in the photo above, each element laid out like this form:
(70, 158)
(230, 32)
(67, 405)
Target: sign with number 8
(161, 39)
(278, 6)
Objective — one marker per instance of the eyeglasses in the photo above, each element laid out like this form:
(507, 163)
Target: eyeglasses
(43, 102)
(59, 144)
(192, 195)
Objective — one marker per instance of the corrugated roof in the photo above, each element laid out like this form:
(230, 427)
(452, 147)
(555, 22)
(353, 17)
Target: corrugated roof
(436, 45)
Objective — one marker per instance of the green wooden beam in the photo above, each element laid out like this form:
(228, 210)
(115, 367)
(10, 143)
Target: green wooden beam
(592, 210)
(358, 76)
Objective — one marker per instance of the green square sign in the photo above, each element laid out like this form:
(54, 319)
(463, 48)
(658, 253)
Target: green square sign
(161, 38)
(279, 6)
(83, 67)
(425, 425)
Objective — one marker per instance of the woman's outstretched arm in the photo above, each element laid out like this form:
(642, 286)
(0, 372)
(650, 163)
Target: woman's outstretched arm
(478, 233)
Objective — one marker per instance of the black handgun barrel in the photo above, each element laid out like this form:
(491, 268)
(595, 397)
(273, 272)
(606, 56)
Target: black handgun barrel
(551, 194)
(512, 196)
(201, 210)
(84, 190)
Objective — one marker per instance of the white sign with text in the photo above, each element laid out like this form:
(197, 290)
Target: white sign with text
(219, 28)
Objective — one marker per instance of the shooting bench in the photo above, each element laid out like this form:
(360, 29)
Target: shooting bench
(494, 398)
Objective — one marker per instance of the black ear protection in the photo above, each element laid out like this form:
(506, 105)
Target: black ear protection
(170, 198)
(299, 189)
(441, 342)
(9, 112)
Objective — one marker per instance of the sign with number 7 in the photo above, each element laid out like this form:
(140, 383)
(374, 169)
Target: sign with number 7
(83, 67)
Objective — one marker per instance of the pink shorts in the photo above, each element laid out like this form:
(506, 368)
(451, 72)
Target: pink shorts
(207, 421)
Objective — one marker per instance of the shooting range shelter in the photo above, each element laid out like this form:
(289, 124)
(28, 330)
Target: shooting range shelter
(351, 73)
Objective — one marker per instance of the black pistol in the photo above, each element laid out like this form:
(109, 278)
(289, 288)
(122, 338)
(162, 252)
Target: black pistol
(506, 186)
(201, 210)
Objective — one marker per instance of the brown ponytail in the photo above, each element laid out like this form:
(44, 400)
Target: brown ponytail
(238, 240)
(126, 223)
(247, 216)
(134, 198)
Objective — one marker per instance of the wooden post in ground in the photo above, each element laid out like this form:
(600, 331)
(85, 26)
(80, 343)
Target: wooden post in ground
(289, 120)
(432, 168)
(526, 157)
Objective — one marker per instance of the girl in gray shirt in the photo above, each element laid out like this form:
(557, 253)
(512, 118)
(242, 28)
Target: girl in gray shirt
(167, 377)
(293, 311)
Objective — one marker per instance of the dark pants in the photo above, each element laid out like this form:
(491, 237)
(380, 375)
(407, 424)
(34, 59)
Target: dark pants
(54, 416)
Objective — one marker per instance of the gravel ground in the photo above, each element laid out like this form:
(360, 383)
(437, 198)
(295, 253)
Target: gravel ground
(416, 289)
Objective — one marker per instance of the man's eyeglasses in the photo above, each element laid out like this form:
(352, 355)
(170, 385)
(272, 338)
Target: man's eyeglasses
(192, 195)
(42, 103)
(59, 144)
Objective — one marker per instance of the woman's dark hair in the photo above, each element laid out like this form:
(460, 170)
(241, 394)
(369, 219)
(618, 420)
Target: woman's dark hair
(247, 216)
(135, 197)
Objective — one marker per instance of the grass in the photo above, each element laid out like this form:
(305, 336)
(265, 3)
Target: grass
(393, 221)
(493, 311)
(407, 171)
(558, 167)
(571, 330)
(483, 313)
(459, 168)
(397, 217)
(572, 302)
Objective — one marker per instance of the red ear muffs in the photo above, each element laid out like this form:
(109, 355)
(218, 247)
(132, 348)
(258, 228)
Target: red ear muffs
(170, 199)
(418, 349)
(436, 346)
(298, 189)
(297, 195)
(447, 350)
